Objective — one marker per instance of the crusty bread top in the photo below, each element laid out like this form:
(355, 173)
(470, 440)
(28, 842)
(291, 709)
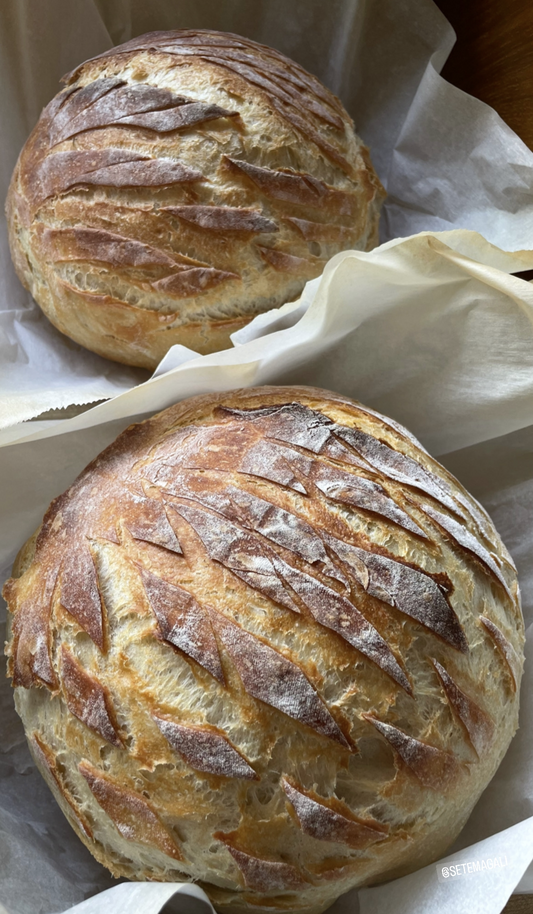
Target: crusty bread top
(300, 98)
(186, 177)
(276, 593)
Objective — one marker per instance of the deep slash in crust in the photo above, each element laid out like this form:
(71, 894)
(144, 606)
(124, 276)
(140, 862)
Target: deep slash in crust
(283, 262)
(186, 283)
(269, 676)
(506, 650)
(340, 615)
(351, 489)
(223, 218)
(267, 460)
(133, 817)
(107, 102)
(395, 465)
(87, 699)
(291, 423)
(327, 823)
(151, 525)
(292, 186)
(205, 749)
(284, 528)
(304, 427)
(111, 167)
(183, 622)
(238, 551)
(229, 544)
(434, 768)
(81, 243)
(466, 540)
(80, 594)
(46, 759)
(264, 875)
(407, 589)
(477, 723)
(30, 651)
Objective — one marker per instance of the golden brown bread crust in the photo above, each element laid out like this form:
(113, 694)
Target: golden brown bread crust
(179, 185)
(266, 643)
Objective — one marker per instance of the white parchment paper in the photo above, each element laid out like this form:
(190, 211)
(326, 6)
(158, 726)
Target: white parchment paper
(430, 330)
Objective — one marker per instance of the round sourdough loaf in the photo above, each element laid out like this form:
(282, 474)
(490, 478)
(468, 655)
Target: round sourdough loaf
(180, 184)
(266, 643)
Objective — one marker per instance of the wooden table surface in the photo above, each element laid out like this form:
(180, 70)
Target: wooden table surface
(493, 60)
(519, 904)
(493, 57)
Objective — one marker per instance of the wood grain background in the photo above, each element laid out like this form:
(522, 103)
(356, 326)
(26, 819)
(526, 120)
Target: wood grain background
(493, 57)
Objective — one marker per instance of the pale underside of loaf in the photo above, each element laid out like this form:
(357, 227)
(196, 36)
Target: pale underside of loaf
(268, 644)
(175, 189)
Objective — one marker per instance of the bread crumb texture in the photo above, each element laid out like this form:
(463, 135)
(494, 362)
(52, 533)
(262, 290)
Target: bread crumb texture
(180, 184)
(267, 644)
